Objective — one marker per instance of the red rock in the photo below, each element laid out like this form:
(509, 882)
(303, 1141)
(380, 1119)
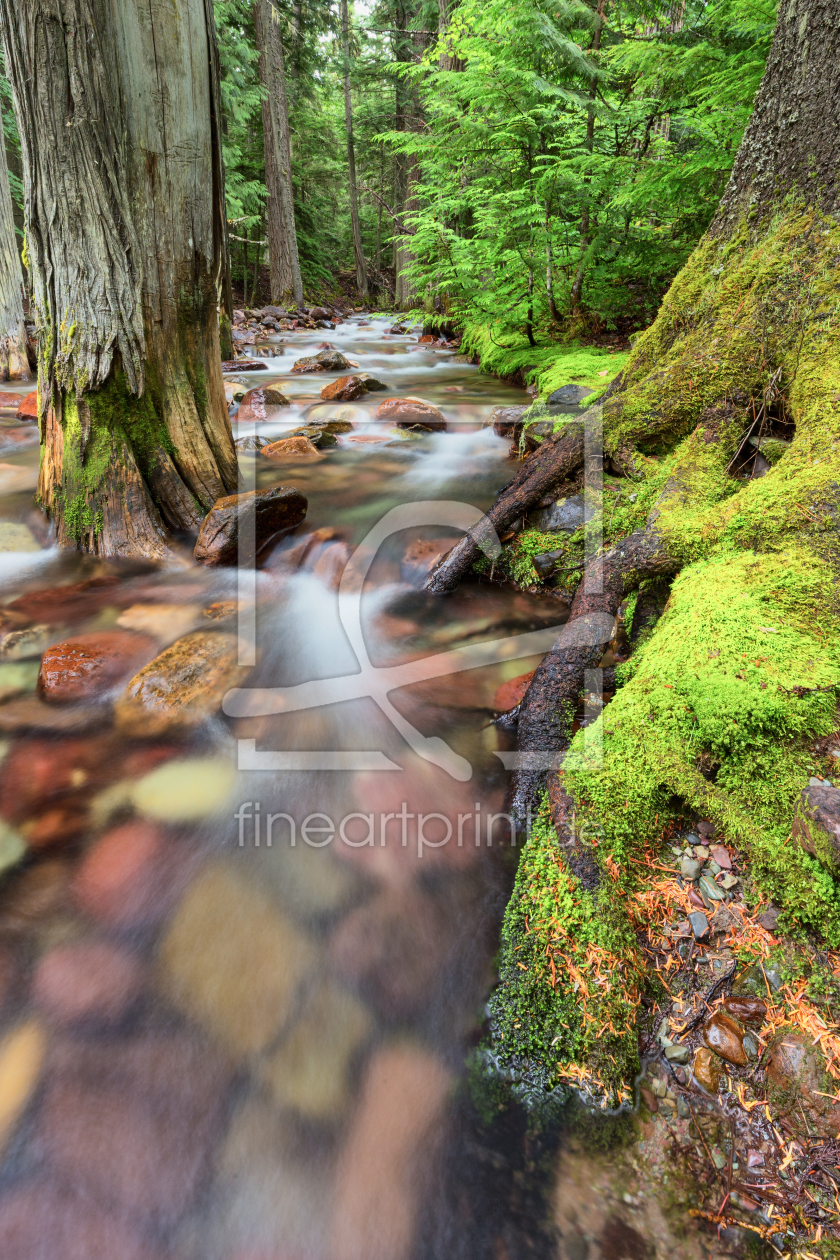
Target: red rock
(426, 340)
(36, 894)
(406, 412)
(748, 1010)
(722, 1034)
(244, 365)
(64, 603)
(89, 664)
(261, 513)
(39, 1221)
(721, 856)
(421, 556)
(28, 409)
(388, 1155)
(257, 402)
(696, 900)
(133, 1151)
(132, 876)
(331, 563)
(510, 694)
(58, 825)
(9, 401)
(345, 389)
(39, 772)
(800, 1088)
(88, 980)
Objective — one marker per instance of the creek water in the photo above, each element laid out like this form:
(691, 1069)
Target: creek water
(242, 970)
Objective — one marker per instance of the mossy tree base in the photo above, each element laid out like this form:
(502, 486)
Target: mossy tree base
(722, 702)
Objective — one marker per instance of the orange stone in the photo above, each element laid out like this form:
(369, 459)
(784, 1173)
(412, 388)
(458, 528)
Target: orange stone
(28, 409)
(88, 664)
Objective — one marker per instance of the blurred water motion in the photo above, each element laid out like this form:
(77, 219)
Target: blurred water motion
(214, 1047)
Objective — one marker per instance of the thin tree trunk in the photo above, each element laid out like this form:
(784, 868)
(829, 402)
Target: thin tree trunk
(529, 325)
(283, 256)
(549, 271)
(14, 363)
(576, 294)
(358, 252)
(118, 121)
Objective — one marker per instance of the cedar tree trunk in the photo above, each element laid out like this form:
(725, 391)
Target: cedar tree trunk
(14, 364)
(117, 106)
(282, 234)
(358, 251)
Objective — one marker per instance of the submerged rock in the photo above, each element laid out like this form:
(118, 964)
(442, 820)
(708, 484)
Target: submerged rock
(708, 1069)
(89, 664)
(265, 512)
(345, 389)
(507, 422)
(298, 449)
(799, 1082)
(406, 412)
(182, 687)
(87, 981)
(28, 409)
(370, 382)
(251, 443)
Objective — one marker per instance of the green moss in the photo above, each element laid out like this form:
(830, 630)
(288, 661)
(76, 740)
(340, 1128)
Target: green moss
(550, 366)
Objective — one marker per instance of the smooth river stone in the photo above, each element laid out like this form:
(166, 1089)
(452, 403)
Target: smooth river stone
(708, 1069)
(14, 535)
(409, 411)
(89, 664)
(21, 1056)
(261, 514)
(39, 1221)
(131, 876)
(310, 1072)
(182, 687)
(185, 790)
(345, 389)
(87, 980)
(232, 962)
(722, 1034)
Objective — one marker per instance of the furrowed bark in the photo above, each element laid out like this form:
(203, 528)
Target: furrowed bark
(14, 363)
(126, 238)
(284, 261)
(548, 708)
(358, 251)
(557, 458)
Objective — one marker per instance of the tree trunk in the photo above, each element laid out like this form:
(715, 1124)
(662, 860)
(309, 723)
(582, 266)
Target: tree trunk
(125, 235)
(358, 251)
(576, 295)
(14, 363)
(282, 234)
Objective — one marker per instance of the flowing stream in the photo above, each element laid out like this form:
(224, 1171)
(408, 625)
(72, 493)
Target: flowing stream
(242, 970)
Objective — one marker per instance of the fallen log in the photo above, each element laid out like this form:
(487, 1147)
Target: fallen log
(554, 462)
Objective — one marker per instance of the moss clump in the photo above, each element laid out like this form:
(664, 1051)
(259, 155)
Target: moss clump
(570, 979)
(550, 366)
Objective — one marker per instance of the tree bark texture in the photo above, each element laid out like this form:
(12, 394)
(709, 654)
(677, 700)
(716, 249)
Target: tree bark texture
(282, 234)
(14, 363)
(358, 251)
(792, 140)
(118, 111)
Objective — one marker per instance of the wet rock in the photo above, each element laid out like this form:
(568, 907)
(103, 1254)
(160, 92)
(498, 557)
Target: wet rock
(769, 919)
(88, 665)
(310, 1073)
(319, 312)
(816, 824)
(406, 412)
(334, 424)
(721, 856)
(392, 949)
(747, 1010)
(512, 692)
(420, 557)
(294, 449)
(345, 389)
(132, 876)
(185, 790)
(371, 383)
(257, 515)
(709, 891)
(87, 981)
(318, 434)
(798, 1082)
(708, 1069)
(251, 443)
(38, 893)
(677, 1054)
(386, 1160)
(232, 962)
(565, 516)
(22, 1052)
(699, 924)
(9, 401)
(28, 407)
(165, 622)
(15, 536)
(722, 1034)
(18, 678)
(38, 772)
(398, 330)
(507, 422)
(325, 361)
(40, 1221)
(182, 687)
(568, 396)
(256, 404)
(59, 825)
(690, 868)
(243, 365)
(12, 852)
(69, 602)
(428, 339)
(18, 645)
(330, 564)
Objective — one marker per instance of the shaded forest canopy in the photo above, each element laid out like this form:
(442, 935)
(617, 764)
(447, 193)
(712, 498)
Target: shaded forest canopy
(542, 164)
